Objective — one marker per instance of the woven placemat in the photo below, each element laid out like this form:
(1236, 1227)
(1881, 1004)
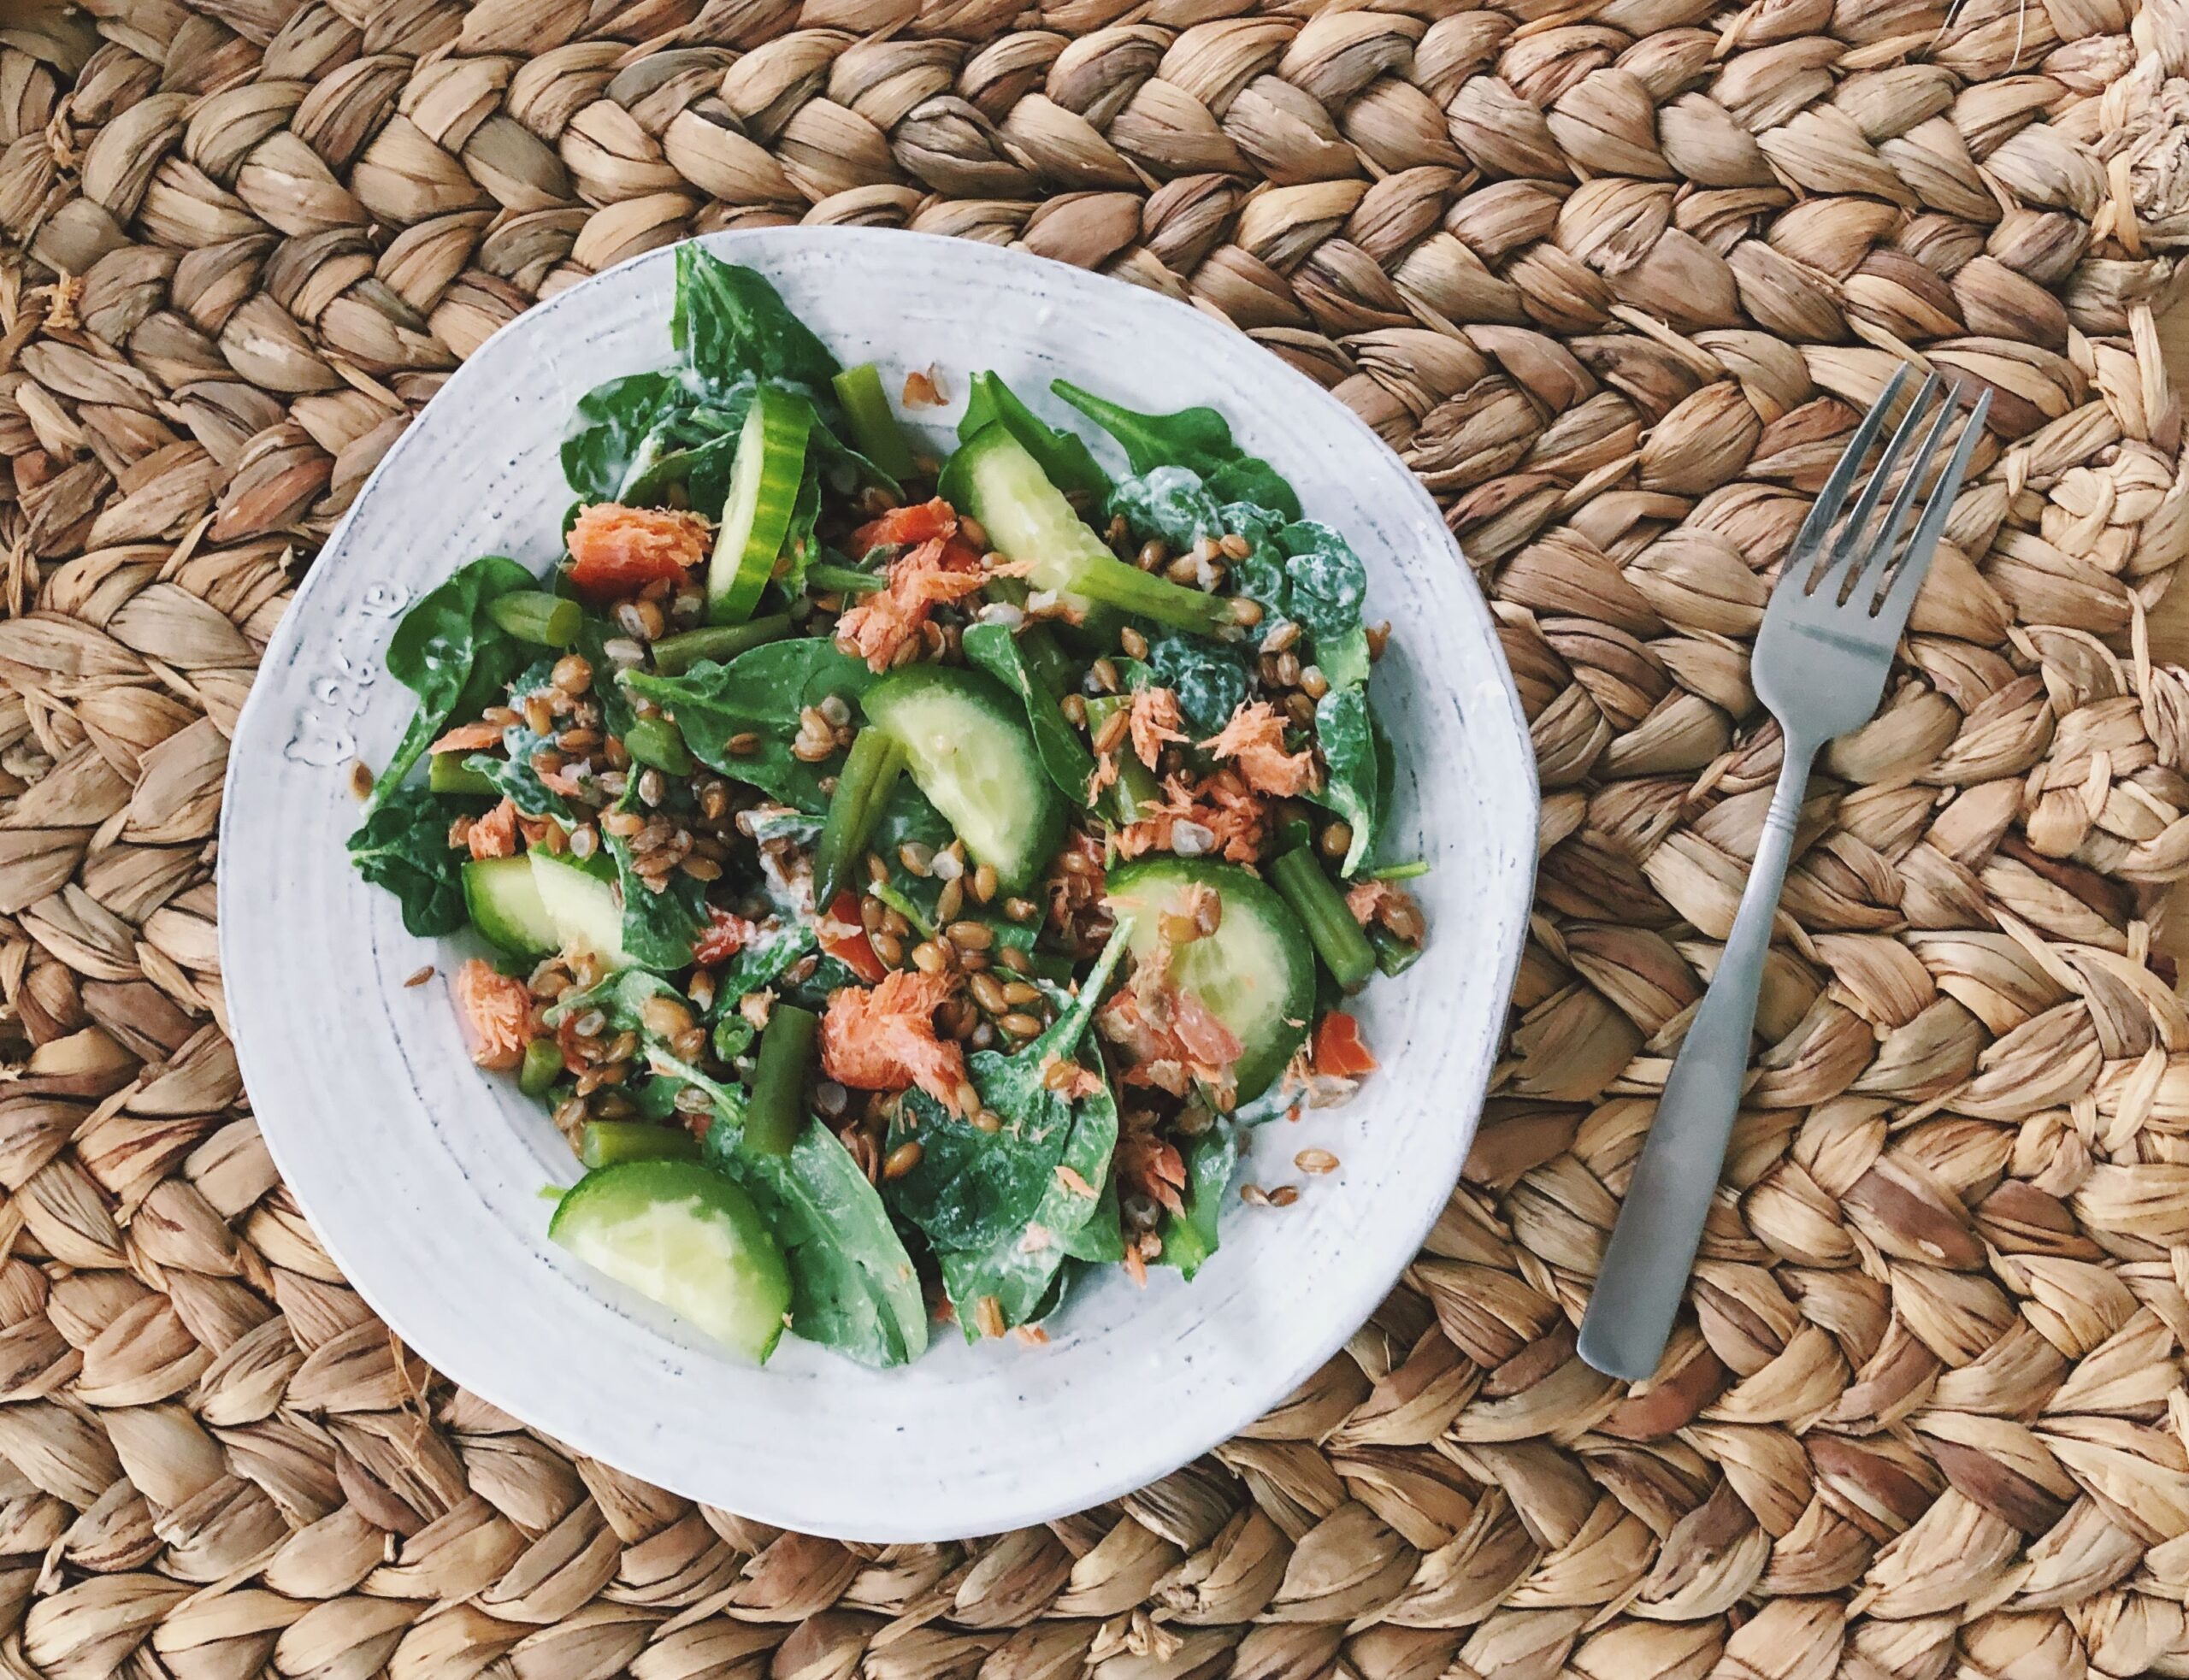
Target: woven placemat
(1609, 275)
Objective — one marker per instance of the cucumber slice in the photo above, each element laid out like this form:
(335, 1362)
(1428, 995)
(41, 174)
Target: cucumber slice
(1256, 973)
(967, 746)
(763, 485)
(580, 900)
(502, 897)
(687, 1237)
(1028, 519)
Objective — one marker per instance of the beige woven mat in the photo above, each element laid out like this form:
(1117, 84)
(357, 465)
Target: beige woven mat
(1608, 273)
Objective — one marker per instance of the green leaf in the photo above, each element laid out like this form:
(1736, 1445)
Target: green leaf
(449, 651)
(1345, 727)
(1064, 458)
(908, 818)
(1101, 1240)
(1328, 582)
(852, 1285)
(997, 1207)
(1189, 1238)
(763, 961)
(973, 1188)
(658, 926)
(729, 323)
(1197, 438)
(799, 541)
(614, 421)
(1070, 765)
(1170, 503)
(403, 847)
(1260, 576)
(1343, 660)
(760, 694)
(1209, 678)
(513, 776)
(1018, 1269)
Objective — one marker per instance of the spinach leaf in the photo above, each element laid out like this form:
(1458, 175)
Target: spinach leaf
(658, 926)
(1328, 582)
(513, 776)
(1251, 479)
(1343, 660)
(655, 1098)
(1189, 1238)
(799, 541)
(908, 818)
(1070, 765)
(1209, 678)
(615, 421)
(403, 847)
(1345, 728)
(846, 468)
(1198, 438)
(853, 1286)
(1004, 1209)
(1170, 503)
(1018, 1268)
(595, 632)
(762, 694)
(764, 962)
(1260, 576)
(1064, 456)
(1101, 1240)
(973, 1188)
(449, 651)
(730, 322)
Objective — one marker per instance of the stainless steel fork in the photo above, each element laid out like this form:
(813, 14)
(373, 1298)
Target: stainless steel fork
(1819, 666)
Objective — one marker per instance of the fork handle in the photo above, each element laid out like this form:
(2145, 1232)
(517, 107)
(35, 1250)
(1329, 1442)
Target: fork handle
(1652, 1251)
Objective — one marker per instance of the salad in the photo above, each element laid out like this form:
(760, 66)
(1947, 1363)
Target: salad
(905, 878)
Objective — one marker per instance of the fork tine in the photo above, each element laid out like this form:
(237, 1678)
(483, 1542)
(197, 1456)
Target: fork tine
(1891, 611)
(1888, 540)
(1853, 551)
(1833, 496)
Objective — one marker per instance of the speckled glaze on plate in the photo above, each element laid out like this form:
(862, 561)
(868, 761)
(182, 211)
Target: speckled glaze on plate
(423, 1176)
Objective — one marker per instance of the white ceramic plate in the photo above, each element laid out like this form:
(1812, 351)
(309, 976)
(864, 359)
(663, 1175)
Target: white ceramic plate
(423, 1176)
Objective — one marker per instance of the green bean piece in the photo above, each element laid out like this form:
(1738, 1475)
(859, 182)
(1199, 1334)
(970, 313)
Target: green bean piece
(869, 772)
(535, 615)
(543, 1066)
(655, 741)
(675, 655)
(881, 440)
(777, 1112)
(1400, 871)
(607, 1143)
(446, 773)
(842, 580)
(1393, 954)
(1336, 937)
(1128, 797)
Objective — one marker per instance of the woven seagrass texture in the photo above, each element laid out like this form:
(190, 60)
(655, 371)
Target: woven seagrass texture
(1613, 277)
